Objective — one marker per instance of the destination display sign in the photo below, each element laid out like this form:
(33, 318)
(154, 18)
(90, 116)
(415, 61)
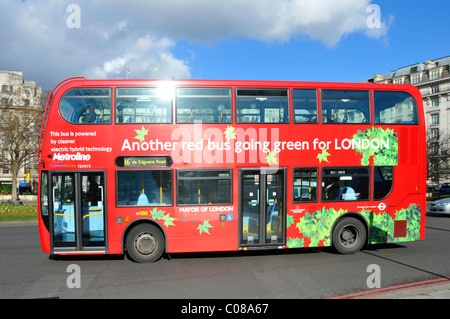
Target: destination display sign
(143, 161)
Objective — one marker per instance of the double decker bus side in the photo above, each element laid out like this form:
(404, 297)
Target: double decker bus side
(145, 167)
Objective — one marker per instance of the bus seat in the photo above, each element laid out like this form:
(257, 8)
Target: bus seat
(347, 193)
(143, 200)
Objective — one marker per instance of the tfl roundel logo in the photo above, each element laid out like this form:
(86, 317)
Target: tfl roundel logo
(381, 206)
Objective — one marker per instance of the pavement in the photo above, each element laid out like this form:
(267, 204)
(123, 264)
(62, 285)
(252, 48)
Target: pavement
(19, 223)
(428, 289)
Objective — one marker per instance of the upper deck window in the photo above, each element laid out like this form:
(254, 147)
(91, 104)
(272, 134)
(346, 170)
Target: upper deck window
(208, 105)
(305, 105)
(262, 106)
(143, 105)
(86, 106)
(392, 107)
(345, 106)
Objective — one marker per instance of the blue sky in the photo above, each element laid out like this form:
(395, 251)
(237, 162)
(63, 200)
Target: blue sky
(300, 40)
(418, 31)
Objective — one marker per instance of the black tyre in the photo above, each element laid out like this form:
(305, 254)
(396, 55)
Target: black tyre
(349, 235)
(145, 243)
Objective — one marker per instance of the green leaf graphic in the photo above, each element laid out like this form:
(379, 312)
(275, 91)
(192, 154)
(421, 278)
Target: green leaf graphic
(271, 158)
(317, 226)
(289, 221)
(159, 214)
(229, 133)
(141, 134)
(323, 156)
(382, 155)
(168, 221)
(295, 243)
(204, 227)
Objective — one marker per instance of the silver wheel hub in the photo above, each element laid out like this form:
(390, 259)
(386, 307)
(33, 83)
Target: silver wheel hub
(349, 235)
(145, 244)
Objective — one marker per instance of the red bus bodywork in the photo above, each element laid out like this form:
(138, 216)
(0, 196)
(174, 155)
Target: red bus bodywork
(73, 148)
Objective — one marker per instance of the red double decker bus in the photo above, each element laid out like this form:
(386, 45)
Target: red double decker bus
(148, 167)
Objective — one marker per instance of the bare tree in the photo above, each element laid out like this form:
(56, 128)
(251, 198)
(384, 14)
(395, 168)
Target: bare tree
(438, 153)
(19, 135)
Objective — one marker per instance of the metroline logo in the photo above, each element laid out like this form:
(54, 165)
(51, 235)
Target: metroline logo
(71, 157)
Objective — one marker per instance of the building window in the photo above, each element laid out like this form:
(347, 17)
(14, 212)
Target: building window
(434, 148)
(435, 101)
(434, 119)
(415, 78)
(434, 75)
(7, 89)
(204, 187)
(435, 89)
(434, 133)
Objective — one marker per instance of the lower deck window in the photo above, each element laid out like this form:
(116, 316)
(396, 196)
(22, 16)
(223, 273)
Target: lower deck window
(305, 185)
(382, 181)
(204, 187)
(144, 188)
(345, 184)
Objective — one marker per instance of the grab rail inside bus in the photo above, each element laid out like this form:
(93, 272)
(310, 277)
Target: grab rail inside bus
(46, 111)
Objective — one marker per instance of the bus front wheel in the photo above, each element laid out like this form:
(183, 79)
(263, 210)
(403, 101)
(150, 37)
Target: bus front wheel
(145, 243)
(349, 235)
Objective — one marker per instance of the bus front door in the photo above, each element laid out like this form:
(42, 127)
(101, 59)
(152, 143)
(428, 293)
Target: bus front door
(78, 211)
(262, 207)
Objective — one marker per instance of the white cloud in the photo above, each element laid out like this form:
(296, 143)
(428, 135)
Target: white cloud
(142, 34)
(145, 57)
(265, 20)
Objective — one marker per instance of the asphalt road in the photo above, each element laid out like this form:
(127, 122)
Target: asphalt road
(27, 272)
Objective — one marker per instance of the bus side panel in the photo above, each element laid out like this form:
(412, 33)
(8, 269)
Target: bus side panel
(44, 236)
(187, 229)
(203, 228)
(115, 227)
(400, 217)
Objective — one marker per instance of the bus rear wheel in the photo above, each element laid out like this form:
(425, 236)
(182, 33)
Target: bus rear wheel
(145, 243)
(349, 236)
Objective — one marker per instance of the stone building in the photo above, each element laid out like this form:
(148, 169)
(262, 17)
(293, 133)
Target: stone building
(17, 95)
(433, 80)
